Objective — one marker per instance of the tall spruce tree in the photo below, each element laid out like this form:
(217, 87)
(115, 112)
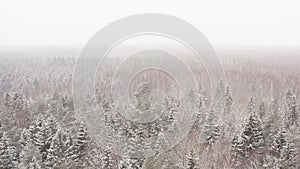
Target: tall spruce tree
(252, 136)
(80, 148)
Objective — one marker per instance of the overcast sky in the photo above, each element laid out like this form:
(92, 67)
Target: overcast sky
(263, 23)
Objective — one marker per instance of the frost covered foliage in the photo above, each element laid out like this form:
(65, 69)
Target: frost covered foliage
(191, 161)
(250, 121)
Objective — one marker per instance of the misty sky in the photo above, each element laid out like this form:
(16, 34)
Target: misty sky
(225, 22)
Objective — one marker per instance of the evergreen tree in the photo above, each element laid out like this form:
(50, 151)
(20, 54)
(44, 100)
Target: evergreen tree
(270, 162)
(43, 132)
(25, 137)
(212, 128)
(262, 109)
(79, 150)
(234, 147)
(7, 101)
(191, 160)
(34, 164)
(8, 153)
(228, 100)
(292, 116)
(251, 105)
(161, 144)
(123, 164)
(271, 122)
(279, 142)
(52, 160)
(200, 97)
(288, 157)
(141, 96)
(228, 127)
(252, 136)
(107, 160)
(135, 149)
(30, 157)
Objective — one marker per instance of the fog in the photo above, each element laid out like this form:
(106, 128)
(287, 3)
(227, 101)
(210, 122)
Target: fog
(225, 23)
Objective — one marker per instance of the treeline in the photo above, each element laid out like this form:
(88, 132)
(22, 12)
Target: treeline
(39, 127)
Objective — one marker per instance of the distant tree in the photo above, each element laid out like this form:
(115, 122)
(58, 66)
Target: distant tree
(141, 96)
(228, 100)
(262, 109)
(228, 127)
(291, 103)
(212, 128)
(199, 96)
(234, 147)
(251, 105)
(7, 101)
(191, 161)
(271, 124)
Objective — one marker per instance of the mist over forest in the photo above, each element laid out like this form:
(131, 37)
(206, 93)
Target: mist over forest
(251, 121)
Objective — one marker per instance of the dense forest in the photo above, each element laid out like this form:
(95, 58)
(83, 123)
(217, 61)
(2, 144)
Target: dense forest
(252, 120)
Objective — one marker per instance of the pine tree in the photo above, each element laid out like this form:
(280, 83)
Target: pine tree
(288, 157)
(252, 136)
(234, 147)
(141, 96)
(161, 144)
(135, 150)
(262, 109)
(43, 132)
(199, 97)
(279, 142)
(8, 153)
(30, 157)
(25, 137)
(65, 142)
(292, 116)
(271, 122)
(7, 100)
(79, 150)
(251, 105)
(53, 160)
(228, 127)
(228, 100)
(136, 162)
(270, 162)
(34, 164)
(191, 160)
(123, 164)
(212, 128)
(107, 160)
